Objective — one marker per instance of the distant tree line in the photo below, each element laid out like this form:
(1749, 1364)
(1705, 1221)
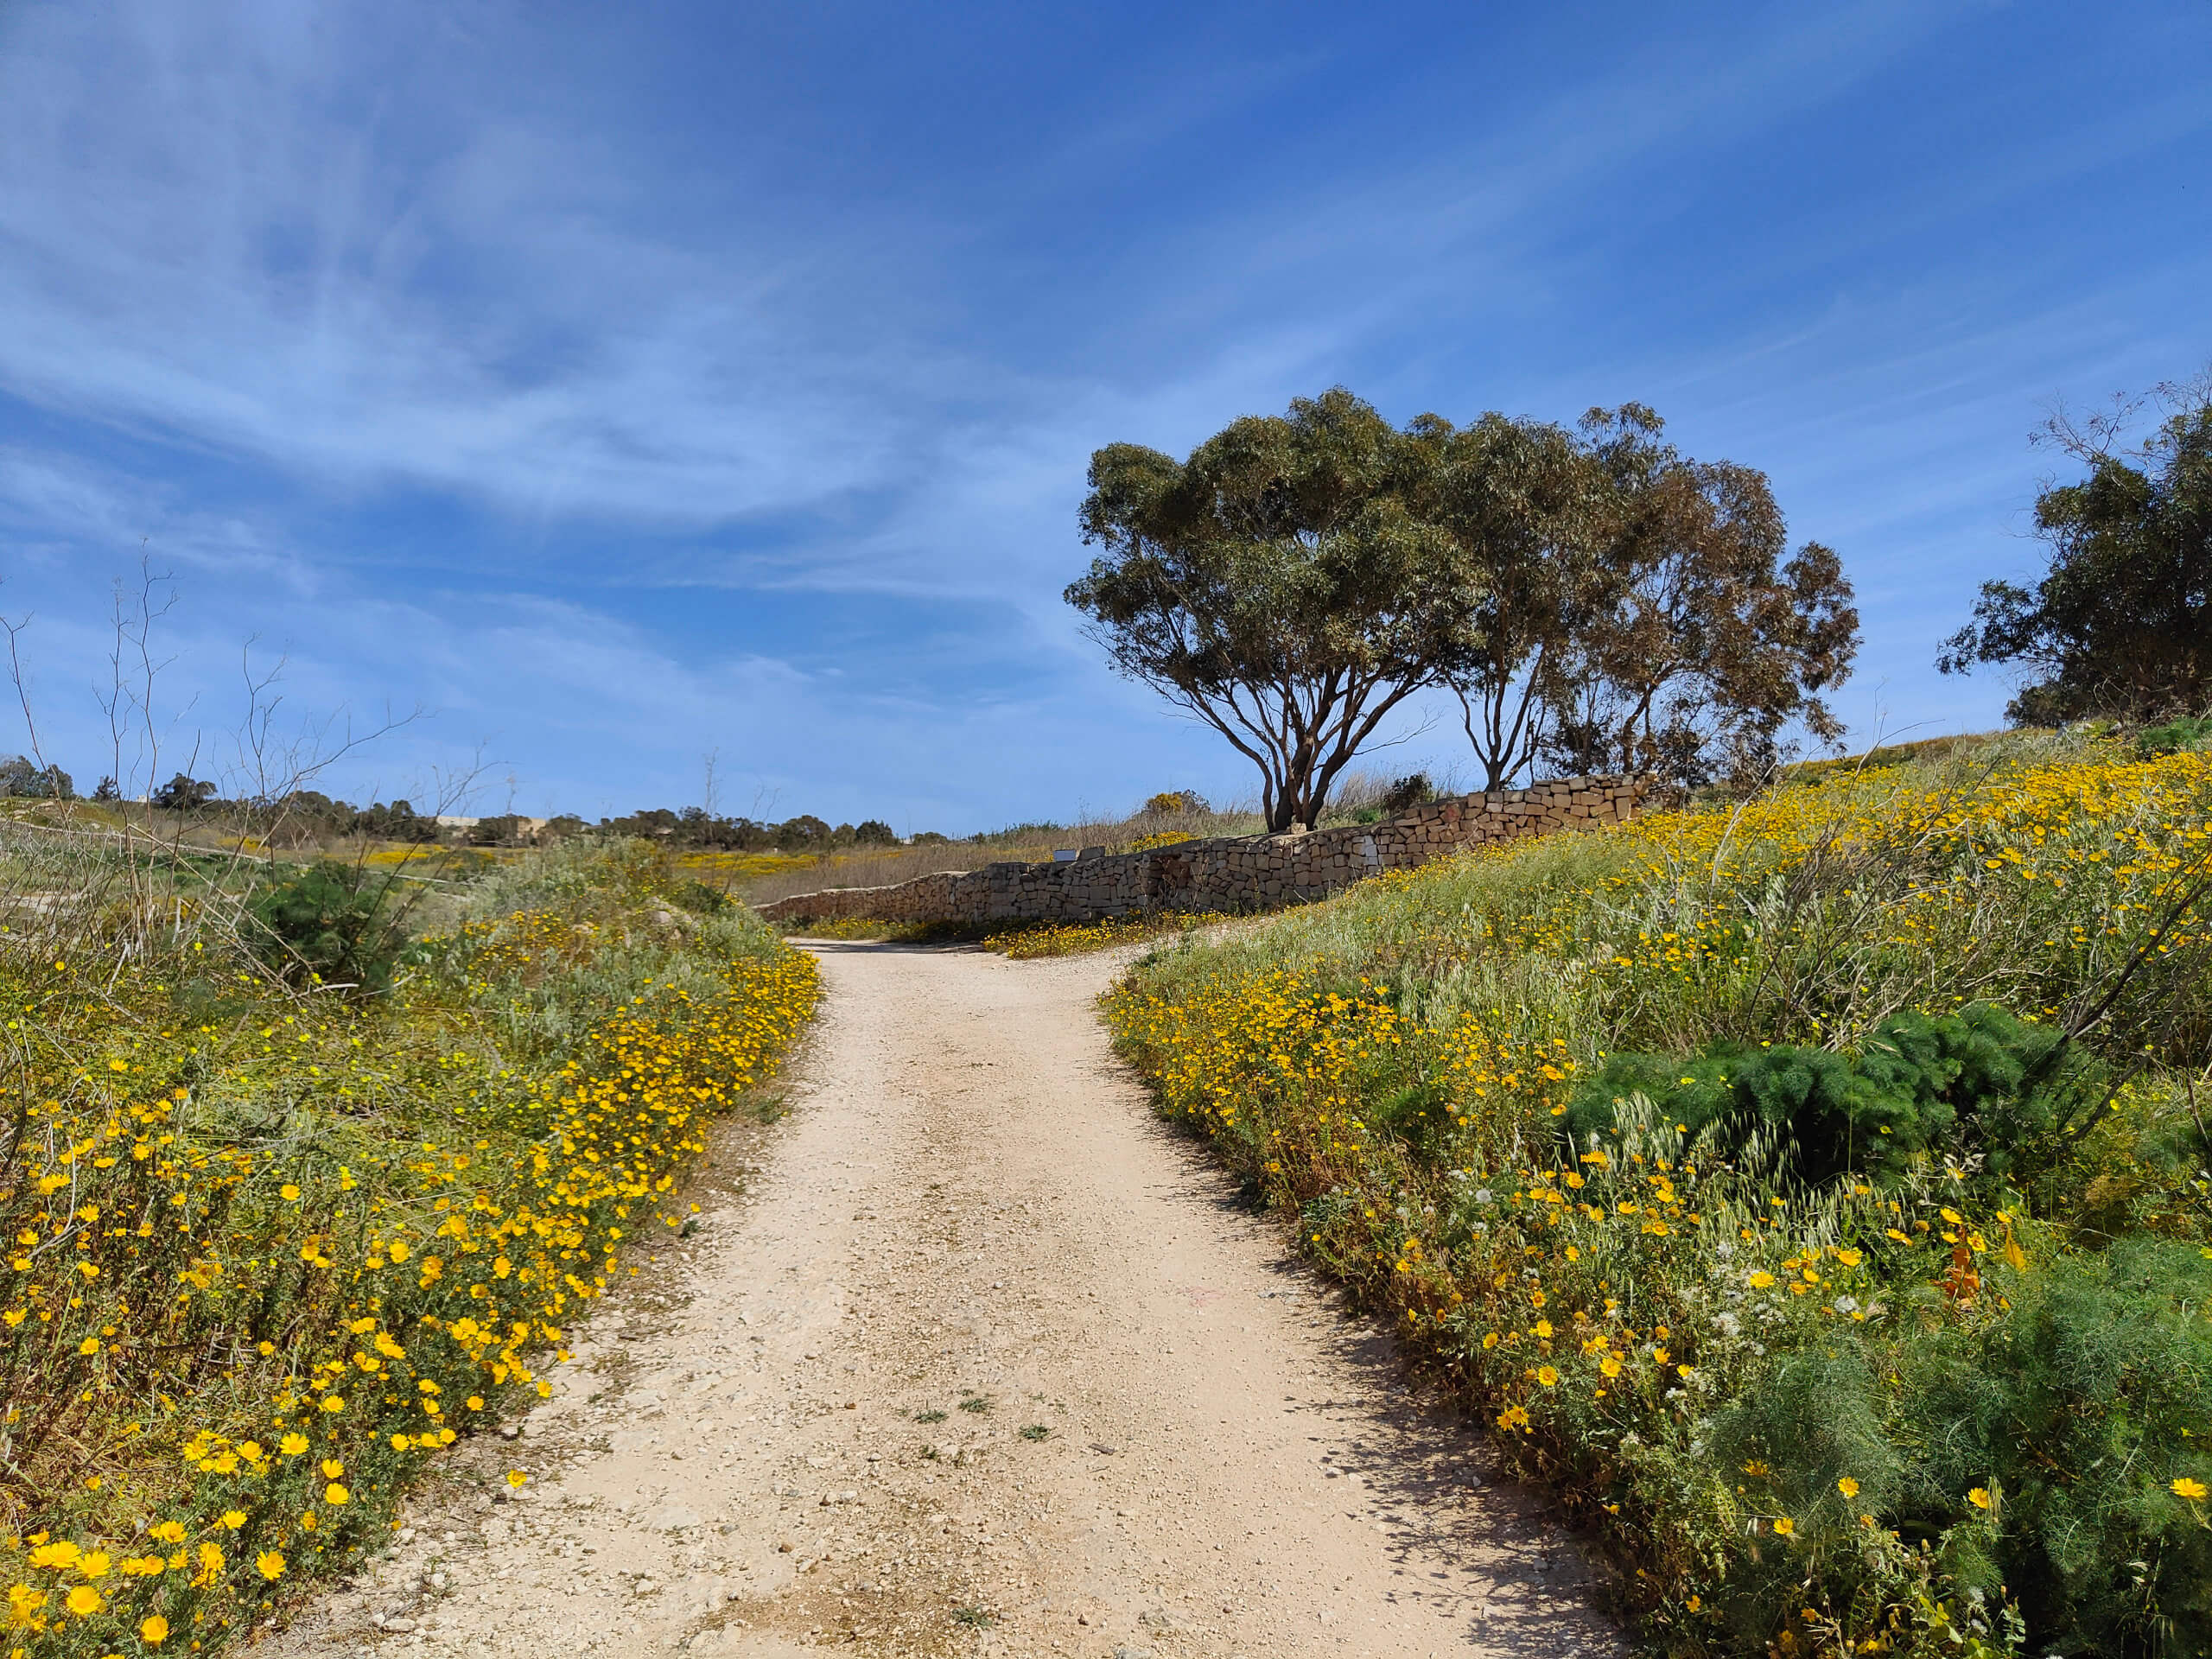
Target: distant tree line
(20, 776)
(695, 827)
(305, 813)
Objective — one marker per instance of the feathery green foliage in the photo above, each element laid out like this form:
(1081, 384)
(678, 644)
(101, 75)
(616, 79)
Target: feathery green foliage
(1978, 1086)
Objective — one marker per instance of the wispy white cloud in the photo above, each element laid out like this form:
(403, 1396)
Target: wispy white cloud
(307, 242)
(230, 233)
(313, 297)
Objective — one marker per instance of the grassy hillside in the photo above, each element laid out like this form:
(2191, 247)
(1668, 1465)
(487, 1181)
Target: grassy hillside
(1814, 1191)
(272, 1244)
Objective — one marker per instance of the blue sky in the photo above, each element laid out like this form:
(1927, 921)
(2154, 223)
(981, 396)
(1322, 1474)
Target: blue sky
(623, 385)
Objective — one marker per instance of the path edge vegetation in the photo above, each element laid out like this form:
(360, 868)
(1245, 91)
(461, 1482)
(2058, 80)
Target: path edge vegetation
(1686, 1153)
(274, 1243)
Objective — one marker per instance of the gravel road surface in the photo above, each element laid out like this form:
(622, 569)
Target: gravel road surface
(970, 1355)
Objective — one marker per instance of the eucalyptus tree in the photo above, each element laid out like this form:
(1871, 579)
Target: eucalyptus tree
(1280, 584)
(1704, 637)
(1523, 504)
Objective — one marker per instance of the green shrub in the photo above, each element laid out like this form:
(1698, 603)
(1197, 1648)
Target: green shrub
(2173, 737)
(329, 923)
(1975, 1082)
(1407, 793)
(699, 899)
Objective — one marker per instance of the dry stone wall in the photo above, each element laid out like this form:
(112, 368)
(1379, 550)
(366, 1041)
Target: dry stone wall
(1233, 874)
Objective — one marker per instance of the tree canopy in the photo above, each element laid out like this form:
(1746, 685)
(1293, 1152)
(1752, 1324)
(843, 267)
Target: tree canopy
(1704, 637)
(1523, 505)
(1588, 595)
(1278, 585)
(2120, 623)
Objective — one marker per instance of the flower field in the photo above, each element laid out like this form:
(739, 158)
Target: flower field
(269, 1252)
(1815, 1191)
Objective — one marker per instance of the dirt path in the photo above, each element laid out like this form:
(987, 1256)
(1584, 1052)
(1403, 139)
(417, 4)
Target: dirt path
(985, 1360)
